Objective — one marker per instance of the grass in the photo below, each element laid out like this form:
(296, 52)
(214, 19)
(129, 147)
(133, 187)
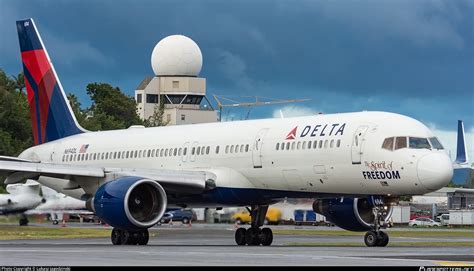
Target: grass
(391, 244)
(392, 233)
(16, 232)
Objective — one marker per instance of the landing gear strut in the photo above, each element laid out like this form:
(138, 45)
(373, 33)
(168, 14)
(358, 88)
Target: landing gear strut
(123, 237)
(23, 220)
(255, 236)
(376, 237)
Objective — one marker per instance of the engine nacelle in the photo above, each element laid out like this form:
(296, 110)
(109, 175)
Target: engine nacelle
(353, 214)
(130, 203)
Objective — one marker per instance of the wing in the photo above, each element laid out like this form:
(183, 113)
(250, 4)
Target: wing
(176, 181)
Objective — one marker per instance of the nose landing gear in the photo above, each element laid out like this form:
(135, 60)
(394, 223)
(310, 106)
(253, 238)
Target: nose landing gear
(255, 236)
(376, 237)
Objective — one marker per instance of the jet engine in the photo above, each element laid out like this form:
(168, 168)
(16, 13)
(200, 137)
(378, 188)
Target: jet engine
(130, 203)
(354, 214)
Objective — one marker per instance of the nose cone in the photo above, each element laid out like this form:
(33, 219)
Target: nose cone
(435, 171)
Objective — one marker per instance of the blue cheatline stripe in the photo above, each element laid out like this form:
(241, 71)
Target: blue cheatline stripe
(33, 85)
(245, 196)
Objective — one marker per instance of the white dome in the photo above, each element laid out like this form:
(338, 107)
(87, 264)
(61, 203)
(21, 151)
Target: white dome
(176, 55)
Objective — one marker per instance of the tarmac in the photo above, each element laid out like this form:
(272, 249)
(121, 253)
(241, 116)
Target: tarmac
(214, 245)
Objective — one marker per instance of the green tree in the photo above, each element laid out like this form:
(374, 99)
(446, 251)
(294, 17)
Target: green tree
(157, 119)
(110, 109)
(15, 124)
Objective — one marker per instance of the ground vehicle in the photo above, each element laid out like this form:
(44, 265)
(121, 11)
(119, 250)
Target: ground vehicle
(423, 222)
(273, 216)
(184, 215)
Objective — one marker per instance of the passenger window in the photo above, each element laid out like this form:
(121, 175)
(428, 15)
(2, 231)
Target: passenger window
(338, 143)
(193, 150)
(277, 146)
(435, 143)
(315, 144)
(217, 149)
(282, 146)
(388, 143)
(208, 149)
(400, 143)
(185, 151)
(332, 143)
(236, 148)
(419, 143)
(179, 152)
(175, 151)
(325, 143)
(166, 152)
(106, 156)
(232, 149)
(292, 145)
(304, 145)
(247, 148)
(227, 149)
(320, 144)
(298, 145)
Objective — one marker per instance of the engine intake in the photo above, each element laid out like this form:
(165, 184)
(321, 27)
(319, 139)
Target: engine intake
(354, 214)
(130, 203)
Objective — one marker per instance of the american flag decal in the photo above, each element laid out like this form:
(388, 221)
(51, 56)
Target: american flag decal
(83, 148)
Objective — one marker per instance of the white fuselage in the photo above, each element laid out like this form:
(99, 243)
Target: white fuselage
(346, 155)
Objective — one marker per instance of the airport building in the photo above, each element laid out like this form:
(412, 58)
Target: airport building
(176, 61)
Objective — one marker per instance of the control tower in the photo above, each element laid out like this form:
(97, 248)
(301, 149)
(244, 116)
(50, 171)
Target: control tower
(176, 61)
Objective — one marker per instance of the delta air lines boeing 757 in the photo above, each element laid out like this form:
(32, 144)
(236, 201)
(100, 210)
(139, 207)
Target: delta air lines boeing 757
(354, 165)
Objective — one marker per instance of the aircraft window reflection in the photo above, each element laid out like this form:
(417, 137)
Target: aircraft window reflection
(400, 143)
(388, 143)
(419, 143)
(435, 143)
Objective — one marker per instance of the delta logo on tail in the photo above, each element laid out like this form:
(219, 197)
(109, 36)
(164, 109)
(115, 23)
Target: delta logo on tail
(333, 129)
(49, 111)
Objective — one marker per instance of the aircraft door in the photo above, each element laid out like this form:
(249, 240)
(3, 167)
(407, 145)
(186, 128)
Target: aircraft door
(358, 144)
(257, 148)
(192, 151)
(185, 153)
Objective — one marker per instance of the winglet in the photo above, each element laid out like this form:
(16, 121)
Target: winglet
(461, 153)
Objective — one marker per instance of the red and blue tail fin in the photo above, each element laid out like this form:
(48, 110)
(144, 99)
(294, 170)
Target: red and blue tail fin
(51, 115)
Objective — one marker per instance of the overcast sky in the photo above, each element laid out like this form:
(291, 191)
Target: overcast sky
(410, 57)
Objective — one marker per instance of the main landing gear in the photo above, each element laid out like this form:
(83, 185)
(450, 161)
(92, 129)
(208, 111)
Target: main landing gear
(255, 236)
(376, 237)
(123, 237)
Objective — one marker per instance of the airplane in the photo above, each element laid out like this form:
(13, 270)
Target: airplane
(21, 198)
(57, 204)
(355, 165)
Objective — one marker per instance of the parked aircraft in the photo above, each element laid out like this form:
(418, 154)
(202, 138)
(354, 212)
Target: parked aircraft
(355, 165)
(21, 198)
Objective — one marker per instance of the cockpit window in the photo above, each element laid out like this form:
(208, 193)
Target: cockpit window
(435, 143)
(419, 143)
(400, 142)
(388, 143)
